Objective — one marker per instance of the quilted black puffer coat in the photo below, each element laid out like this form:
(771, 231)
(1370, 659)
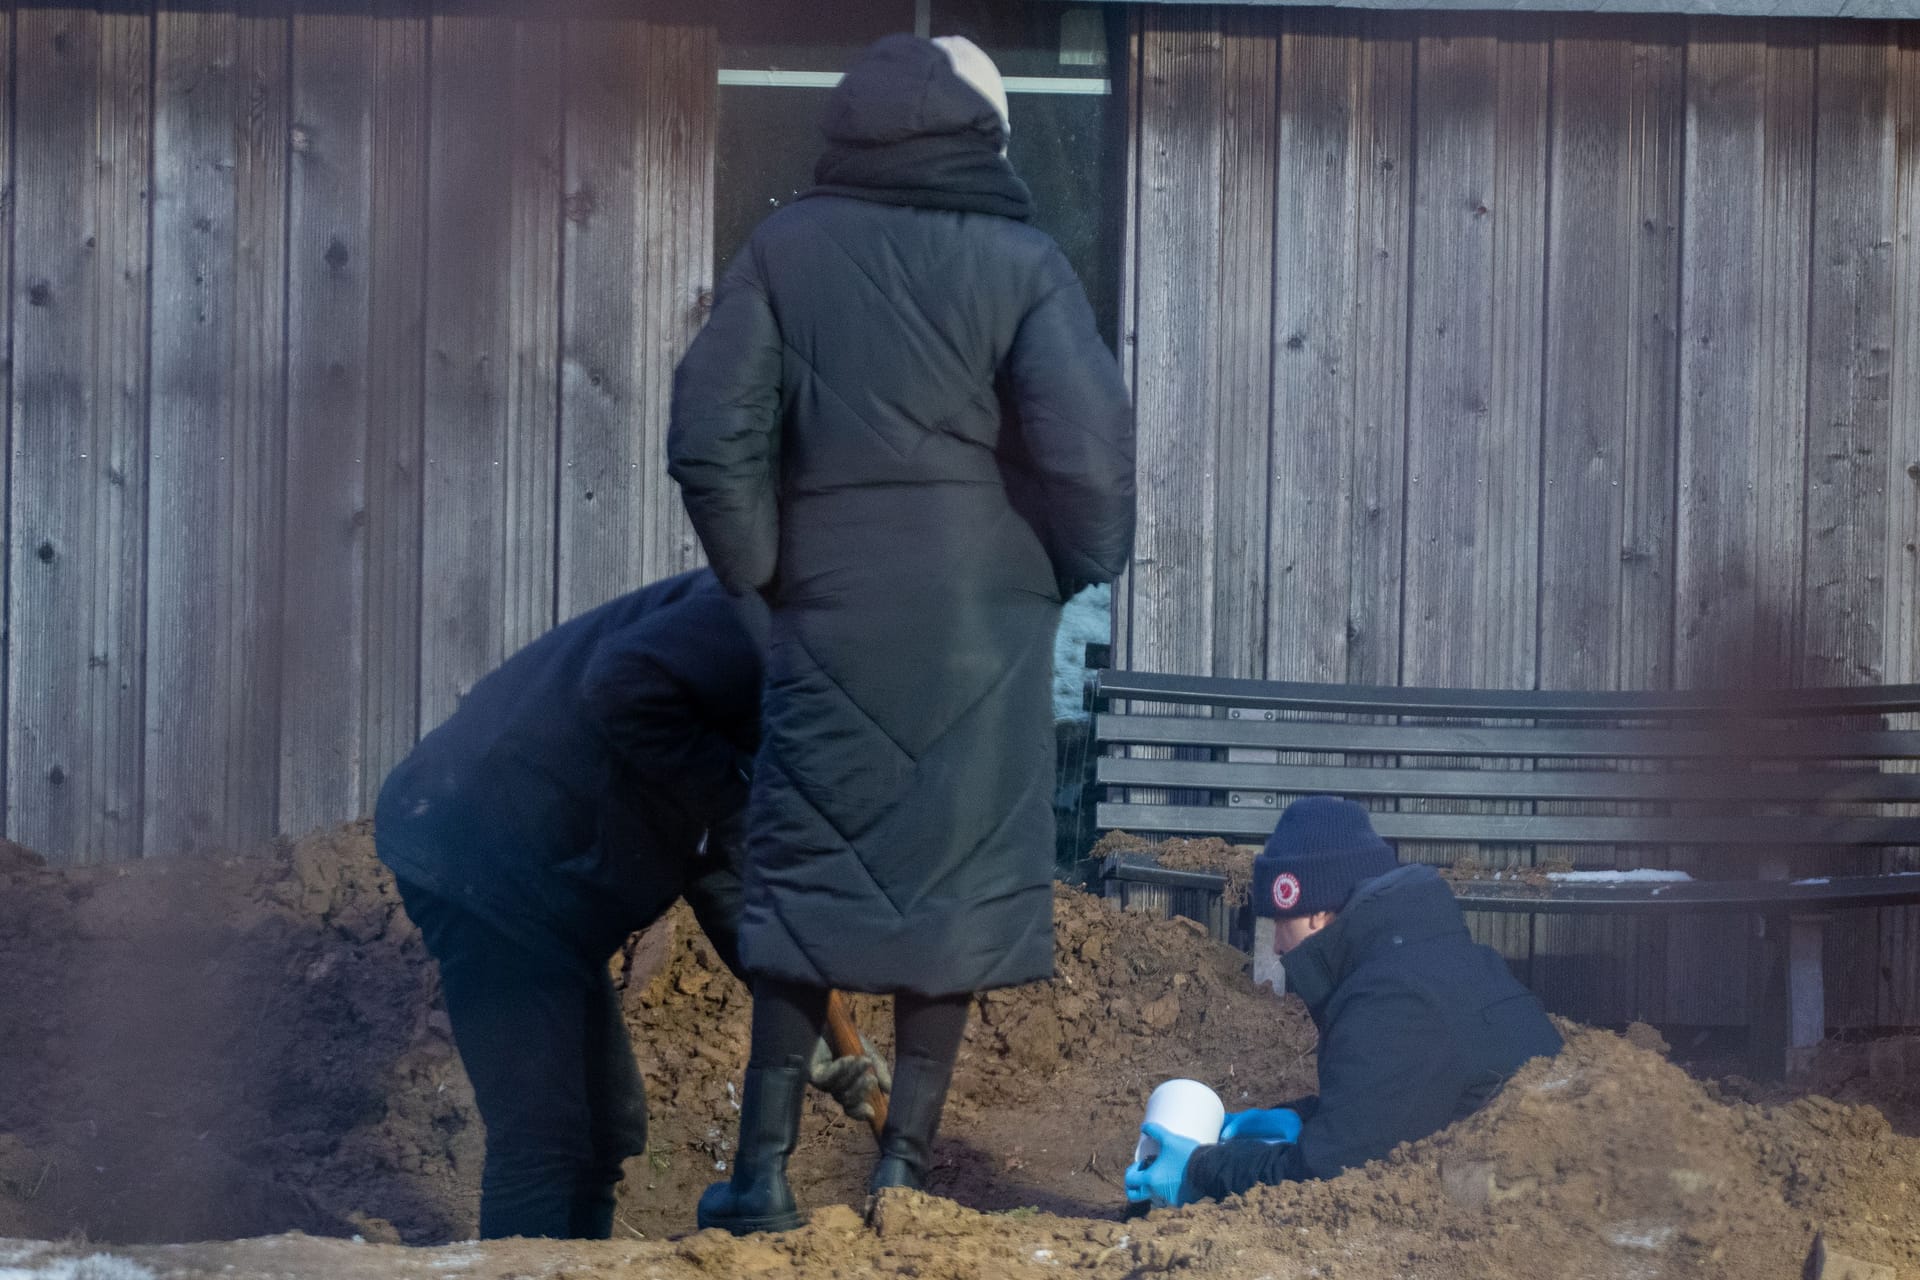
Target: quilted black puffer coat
(901, 427)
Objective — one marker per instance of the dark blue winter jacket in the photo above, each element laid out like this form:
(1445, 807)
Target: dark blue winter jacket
(594, 778)
(1419, 1027)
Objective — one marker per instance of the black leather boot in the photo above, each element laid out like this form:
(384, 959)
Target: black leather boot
(757, 1197)
(913, 1116)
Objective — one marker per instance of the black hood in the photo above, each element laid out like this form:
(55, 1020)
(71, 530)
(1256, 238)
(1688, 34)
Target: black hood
(903, 128)
(905, 87)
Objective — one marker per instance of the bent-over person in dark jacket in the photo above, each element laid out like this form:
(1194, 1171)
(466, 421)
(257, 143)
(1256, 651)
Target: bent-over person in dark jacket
(575, 795)
(1419, 1025)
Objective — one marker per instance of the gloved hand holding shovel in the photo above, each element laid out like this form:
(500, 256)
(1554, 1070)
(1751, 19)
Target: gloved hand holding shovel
(851, 1081)
(845, 1066)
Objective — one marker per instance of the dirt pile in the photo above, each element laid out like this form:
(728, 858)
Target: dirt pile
(1212, 854)
(219, 1049)
(212, 1048)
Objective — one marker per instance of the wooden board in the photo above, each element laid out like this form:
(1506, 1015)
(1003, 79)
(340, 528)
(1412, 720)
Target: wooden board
(1244, 420)
(1382, 175)
(1473, 431)
(493, 279)
(638, 258)
(679, 168)
(396, 335)
(1120, 607)
(331, 235)
(1309, 562)
(1899, 967)
(78, 410)
(1742, 409)
(1176, 385)
(1850, 336)
(1607, 466)
(217, 429)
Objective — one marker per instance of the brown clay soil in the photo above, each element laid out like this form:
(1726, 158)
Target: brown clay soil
(207, 1050)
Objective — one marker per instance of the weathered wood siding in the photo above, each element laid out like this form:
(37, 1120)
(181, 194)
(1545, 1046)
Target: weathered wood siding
(341, 344)
(1591, 359)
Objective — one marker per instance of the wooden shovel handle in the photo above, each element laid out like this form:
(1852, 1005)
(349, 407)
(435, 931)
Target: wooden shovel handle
(844, 1039)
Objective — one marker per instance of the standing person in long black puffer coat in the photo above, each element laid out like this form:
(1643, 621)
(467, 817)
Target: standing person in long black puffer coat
(901, 427)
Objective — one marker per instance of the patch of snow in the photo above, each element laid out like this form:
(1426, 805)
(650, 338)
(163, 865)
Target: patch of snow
(1044, 1255)
(1640, 875)
(12, 1251)
(97, 1266)
(1816, 880)
(456, 1258)
(1639, 1235)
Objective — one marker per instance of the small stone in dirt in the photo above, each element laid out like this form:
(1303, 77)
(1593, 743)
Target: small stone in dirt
(1468, 1182)
(374, 1230)
(1642, 1036)
(1825, 1264)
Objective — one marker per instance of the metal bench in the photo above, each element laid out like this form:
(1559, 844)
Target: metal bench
(1780, 793)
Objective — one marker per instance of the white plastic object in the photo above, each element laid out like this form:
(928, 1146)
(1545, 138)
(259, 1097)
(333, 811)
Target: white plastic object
(1185, 1107)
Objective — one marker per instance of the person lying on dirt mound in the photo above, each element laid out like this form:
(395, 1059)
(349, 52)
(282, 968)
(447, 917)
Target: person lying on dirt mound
(1419, 1025)
(575, 795)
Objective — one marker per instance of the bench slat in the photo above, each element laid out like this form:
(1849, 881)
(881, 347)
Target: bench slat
(1513, 784)
(1451, 740)
(1529, 704)
(1830, 893)
(1499, 828)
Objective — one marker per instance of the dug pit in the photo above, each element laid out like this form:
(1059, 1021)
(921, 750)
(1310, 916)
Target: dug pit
(209, 1050)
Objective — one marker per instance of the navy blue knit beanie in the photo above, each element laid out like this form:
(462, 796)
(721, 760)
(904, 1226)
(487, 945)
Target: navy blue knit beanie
(1319, 852)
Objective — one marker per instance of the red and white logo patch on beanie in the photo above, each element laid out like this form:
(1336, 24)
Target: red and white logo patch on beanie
(1286, 891)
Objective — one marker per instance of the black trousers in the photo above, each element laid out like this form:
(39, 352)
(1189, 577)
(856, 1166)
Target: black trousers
(552, 1069)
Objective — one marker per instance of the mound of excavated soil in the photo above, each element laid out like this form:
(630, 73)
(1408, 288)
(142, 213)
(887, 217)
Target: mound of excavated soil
(1176, 853)
(204, 1050)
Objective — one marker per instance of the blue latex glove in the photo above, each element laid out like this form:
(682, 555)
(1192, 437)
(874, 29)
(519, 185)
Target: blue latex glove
(1158, 1179)
(1276, 1124)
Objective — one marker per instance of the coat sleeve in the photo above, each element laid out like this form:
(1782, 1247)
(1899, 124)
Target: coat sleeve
(1235, 1167)
(1075, 429)
(723, 435)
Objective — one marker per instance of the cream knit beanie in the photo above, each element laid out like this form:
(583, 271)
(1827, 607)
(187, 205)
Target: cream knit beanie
(972, 64)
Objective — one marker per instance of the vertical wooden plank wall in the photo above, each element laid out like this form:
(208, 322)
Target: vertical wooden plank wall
(329, 309)
(396, 396)
(639, 149)
(1595, 351)
(1338, 338)
(489, 474)
(1850, 343)
(1899, 966)
(216, 428)
(267, 518)
(1176, 289)
(76, 539)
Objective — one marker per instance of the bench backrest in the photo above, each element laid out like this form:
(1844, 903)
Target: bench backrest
(1769, 773)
